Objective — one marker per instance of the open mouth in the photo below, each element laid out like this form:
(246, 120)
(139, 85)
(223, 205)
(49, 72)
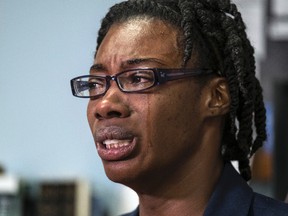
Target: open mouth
(116, 144)
(116, 149)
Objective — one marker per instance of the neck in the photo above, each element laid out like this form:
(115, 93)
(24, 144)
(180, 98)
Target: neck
(179, 192)
(185, 193)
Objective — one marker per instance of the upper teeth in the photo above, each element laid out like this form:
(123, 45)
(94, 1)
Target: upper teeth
(116, 143)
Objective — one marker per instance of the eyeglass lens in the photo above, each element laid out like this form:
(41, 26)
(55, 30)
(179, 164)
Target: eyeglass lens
(128, 81)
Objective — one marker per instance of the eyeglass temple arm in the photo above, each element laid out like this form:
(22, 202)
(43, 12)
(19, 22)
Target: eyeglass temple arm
(167, 75)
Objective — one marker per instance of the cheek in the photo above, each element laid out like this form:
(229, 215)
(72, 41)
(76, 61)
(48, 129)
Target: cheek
(168, 129)
(173, 109)
(172, 117)
(90, 113)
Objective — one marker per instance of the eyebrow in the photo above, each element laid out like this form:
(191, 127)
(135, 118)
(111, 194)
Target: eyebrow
(131, 62)
(97, 67)
(137, 61)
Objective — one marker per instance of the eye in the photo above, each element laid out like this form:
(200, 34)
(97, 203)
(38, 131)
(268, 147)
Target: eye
(136, 80)
(91, 86)
(140, 77)
(93, 83)
(82, 85)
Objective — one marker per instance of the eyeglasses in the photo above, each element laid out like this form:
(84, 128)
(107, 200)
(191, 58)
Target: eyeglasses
(130, 81)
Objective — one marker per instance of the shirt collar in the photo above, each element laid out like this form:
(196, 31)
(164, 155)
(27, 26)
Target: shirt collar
(230, 190)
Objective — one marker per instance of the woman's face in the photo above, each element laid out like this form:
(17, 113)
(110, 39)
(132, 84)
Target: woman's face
(143, 135)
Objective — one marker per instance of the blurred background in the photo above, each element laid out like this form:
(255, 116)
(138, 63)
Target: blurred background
(44, 135)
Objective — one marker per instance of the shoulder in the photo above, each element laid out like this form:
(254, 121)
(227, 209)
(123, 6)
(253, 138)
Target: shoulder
(266, 206)
(233, 196)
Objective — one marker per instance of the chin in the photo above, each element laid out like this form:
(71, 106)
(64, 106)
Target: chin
(120, 172)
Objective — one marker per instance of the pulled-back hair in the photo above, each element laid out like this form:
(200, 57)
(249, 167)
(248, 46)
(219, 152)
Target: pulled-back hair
(216, 31)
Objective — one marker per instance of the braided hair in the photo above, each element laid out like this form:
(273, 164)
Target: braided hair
(215, 29)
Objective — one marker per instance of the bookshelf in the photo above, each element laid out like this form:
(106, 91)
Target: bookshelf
(64, 198)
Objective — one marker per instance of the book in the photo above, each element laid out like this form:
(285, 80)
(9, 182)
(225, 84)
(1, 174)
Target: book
(64, 198)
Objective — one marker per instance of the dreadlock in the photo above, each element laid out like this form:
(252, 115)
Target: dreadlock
(216, 31)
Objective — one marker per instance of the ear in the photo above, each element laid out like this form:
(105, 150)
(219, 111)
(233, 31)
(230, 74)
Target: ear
(218, 100)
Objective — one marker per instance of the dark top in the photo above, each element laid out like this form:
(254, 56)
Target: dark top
(233, 197)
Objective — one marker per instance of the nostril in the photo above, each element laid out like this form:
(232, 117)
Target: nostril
(98, 116)
(111, 114)
(114, 114)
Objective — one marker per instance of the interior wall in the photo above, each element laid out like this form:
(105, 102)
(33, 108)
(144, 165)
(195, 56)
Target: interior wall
(43, 128)
(44, 132)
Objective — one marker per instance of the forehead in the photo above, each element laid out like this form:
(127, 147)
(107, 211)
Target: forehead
(140, 38)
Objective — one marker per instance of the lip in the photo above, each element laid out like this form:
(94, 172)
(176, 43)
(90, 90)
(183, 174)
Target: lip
(121, 143)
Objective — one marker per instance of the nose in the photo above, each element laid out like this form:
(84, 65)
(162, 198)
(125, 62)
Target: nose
(111, 105)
